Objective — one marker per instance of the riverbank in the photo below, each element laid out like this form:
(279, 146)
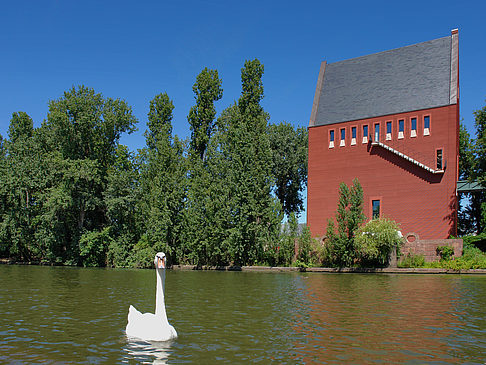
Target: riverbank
(333, 270)
(329, 270)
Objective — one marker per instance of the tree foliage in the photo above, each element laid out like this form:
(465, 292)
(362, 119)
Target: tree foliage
(71, 193)
(289, 164)
(376, 240)
(349, 216)
(207, 90)
(472, 167)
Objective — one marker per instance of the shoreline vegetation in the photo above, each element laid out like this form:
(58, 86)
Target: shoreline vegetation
(324, 270)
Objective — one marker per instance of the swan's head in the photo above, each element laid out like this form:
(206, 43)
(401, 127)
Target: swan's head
(159, 260)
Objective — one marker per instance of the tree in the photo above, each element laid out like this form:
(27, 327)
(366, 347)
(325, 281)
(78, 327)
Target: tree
(289, 164)
(24, 172)
(163, 182)
(466, 154)
(479, 165)
(121, 198)
(469, 211)
(349, 217)
(21, 127)
(204, 229)
(376, 240)
(243, 143)
(84, 128)
(207, 90)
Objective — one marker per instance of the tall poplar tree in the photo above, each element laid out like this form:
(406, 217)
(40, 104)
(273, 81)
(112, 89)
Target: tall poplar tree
(254, 213)
(204, 231)
(163, 183)
(207, 90)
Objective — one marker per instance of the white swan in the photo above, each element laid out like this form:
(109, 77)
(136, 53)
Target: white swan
(148, 326)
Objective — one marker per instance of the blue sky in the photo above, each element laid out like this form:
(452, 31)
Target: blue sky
(136, 49)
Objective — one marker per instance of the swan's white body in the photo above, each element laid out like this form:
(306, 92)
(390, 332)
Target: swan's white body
(149, 326)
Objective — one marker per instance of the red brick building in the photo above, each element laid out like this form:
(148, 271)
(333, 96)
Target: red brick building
(390, 119)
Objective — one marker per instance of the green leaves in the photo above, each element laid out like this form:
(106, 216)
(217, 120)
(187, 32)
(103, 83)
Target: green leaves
(207, 90)
(375, 242)
(349, 216)
(70, 193)
(472, 166)
(289, 164)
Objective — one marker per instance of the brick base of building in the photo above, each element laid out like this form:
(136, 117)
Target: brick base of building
(428, 248)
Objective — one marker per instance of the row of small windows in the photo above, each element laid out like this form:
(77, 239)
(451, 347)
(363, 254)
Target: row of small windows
(376, 136)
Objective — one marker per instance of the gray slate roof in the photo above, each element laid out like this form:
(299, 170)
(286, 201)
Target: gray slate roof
(404, 79)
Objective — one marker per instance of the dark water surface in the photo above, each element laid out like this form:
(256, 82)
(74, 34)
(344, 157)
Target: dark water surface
(73, 315)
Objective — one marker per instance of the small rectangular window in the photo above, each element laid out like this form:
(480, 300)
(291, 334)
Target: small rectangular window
(331, 138)
(401, 128)
(413, 131)
(440, 165)
(377, 132)
(388, 131)
(343, 137)
(426, 125)
(365, 134)
(375, 209)
(353, 135)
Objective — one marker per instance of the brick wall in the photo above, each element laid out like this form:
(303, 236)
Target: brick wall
(428, 248)
(416, 199)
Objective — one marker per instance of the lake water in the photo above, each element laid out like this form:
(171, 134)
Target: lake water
(75, 315)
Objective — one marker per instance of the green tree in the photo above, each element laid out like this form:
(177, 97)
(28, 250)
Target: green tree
(469, 210)
(207, 90)
(24, 181)
(244, 142)
(375, 242)
(349, 217)
(479, 166)
(84, 128)
(289, 164)
(466, 154)
(204, 225)
(163, 182)
(121, 197)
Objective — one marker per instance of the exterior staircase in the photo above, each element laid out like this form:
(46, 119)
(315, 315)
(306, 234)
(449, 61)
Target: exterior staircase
(408, 158)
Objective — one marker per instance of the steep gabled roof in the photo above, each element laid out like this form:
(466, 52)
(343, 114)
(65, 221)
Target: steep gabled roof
(415, 77)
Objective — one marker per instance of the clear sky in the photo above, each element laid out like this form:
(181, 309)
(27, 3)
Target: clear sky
(136, 49)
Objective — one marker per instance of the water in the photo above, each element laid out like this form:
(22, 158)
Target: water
(73, 315)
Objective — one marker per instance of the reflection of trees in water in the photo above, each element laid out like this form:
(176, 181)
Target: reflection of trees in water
(388, 318)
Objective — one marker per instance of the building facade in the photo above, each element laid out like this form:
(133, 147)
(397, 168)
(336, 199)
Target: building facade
(390, 119)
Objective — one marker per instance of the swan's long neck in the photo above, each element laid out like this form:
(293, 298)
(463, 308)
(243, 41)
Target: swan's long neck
(159, 299)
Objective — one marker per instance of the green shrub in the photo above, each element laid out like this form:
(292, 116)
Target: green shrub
(93, 247)
(305, 247)
(445, 252)
(376, 240)
(280, 253)
(411, 260)
(143, 253)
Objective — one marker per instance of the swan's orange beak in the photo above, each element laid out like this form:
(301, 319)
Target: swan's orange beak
(160, 263)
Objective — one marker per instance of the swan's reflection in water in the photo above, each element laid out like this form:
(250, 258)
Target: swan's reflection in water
(142, 352)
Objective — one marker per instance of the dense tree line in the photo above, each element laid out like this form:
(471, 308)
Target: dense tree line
(472, 167)
(71, 193)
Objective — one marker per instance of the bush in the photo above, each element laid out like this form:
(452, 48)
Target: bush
(93, 247)
(412, 260)
(445, 252)
(376, 240)
(472, 258)
(305, 248)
